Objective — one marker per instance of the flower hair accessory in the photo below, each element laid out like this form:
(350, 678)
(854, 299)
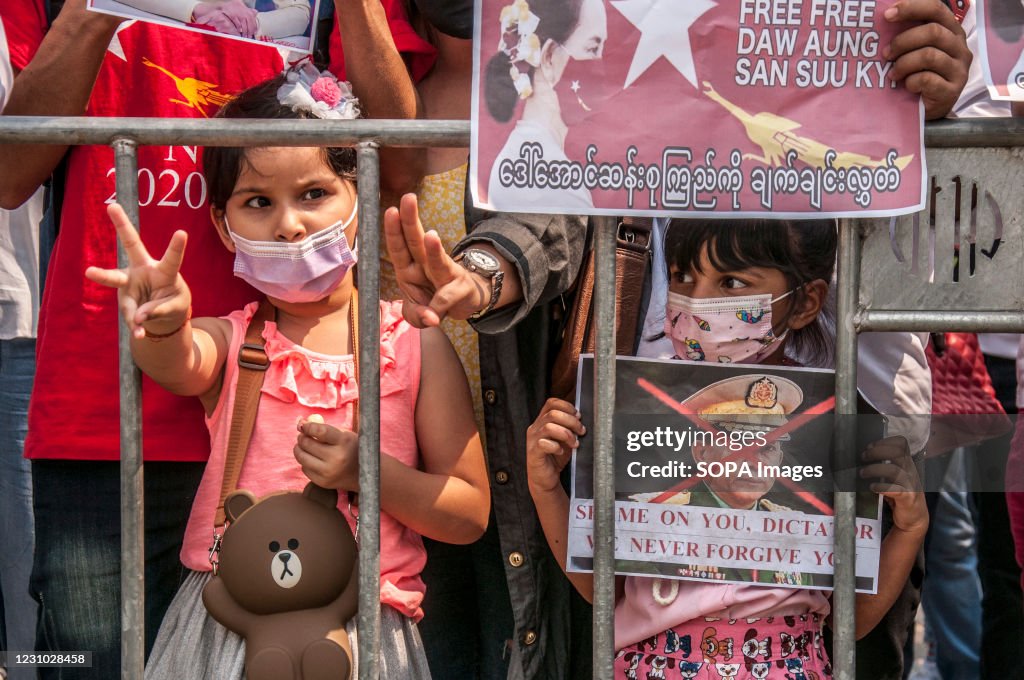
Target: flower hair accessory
(519, 42)
(318, 92)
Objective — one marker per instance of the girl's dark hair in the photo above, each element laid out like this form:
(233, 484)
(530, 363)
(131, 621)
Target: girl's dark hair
(558, 20)
(223, 164)
(802, 251)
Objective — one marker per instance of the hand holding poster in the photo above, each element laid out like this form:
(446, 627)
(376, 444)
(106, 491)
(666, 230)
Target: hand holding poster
(288, 23)
(731, 107)
(1001, 40)
(723, 473)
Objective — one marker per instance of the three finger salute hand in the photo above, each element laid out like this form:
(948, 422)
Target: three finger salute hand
(433, 284)
(151, 294)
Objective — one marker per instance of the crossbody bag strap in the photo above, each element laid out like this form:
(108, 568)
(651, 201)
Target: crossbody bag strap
(252, 367)
(632, 256)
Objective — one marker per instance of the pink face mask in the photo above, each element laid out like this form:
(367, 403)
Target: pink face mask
(300, 271)
(726, 330)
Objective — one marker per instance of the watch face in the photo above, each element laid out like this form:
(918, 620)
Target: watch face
(482, 260)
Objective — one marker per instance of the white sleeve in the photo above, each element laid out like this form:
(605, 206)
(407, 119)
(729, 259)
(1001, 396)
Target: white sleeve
(178, 10)
(290, 18)
(893, 376)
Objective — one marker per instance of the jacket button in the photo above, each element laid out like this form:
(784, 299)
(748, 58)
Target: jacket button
(529, 637)
(491, 397)
(516, 559)
(501, 477)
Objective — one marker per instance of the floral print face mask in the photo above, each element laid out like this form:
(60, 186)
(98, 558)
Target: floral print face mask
(727, 330)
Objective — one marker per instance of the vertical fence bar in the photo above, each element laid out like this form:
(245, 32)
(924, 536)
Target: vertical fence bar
(844, 597)
(604, 449)
(369, 415)
(133, 593)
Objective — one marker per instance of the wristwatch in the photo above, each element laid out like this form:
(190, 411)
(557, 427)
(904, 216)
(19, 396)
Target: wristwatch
(485, 264)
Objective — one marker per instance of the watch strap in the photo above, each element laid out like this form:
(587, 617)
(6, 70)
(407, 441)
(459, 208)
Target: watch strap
(496, 280)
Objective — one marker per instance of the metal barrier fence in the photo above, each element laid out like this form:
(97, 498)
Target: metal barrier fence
(882, 293)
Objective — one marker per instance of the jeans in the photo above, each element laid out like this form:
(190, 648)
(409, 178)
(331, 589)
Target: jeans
(952, 591)
(18, 611)
(76, 576)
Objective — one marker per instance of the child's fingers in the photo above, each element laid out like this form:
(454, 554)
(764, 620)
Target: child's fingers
(555, 404)
(128, 306)
(112, 278)
(166, 306)
(890, 448)
(882, 470)
(312, 418)
(549, 446)
(558, 433)
(892, 491)
(321, 432)
(314, 468)
(126, 232)
(893, 476)
(567, 420)
(562, 458)
(170, 263)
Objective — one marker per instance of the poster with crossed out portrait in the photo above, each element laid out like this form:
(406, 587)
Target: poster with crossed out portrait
(722, 473)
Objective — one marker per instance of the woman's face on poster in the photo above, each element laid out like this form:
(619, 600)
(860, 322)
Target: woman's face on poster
(587, 41)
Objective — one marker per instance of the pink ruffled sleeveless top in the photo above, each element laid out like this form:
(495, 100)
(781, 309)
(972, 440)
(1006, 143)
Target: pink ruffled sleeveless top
(302, 383)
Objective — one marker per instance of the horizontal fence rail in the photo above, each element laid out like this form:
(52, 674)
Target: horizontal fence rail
(125, 134)
(233, 132)
(979, 132)
(913, 321)
(974, 133)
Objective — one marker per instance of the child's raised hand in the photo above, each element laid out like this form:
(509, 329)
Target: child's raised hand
(151, 294)
(328, 455)
(550, 441)
(889, 464)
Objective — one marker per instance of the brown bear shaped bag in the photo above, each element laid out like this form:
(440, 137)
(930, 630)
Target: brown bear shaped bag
(286, 570)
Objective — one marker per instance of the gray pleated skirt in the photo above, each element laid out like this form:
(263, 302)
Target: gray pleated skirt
(192, 646)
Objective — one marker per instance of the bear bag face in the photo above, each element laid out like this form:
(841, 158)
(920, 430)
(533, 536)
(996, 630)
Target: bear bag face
(277, 556)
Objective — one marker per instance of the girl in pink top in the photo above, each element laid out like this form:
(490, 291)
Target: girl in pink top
(289, 215)
(740, 292)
